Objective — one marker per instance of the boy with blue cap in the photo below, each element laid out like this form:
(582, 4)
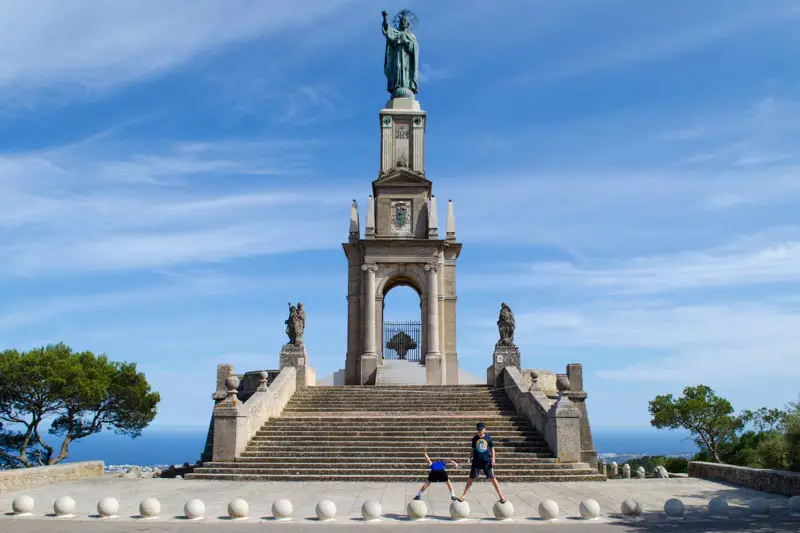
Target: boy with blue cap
(483, 460)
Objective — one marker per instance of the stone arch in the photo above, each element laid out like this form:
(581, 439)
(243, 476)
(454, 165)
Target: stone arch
(390, 276)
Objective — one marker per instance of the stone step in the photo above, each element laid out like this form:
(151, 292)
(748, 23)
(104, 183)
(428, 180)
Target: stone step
(416, 441)
(369, 417)
(422, 474)
(587, 475)
(381, 463)
(259, 449)
(383, 460)
(377, 412)
(389, 454)
(377, 434)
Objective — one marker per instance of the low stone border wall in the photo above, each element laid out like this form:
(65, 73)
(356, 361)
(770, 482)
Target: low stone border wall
(27, 478)
(774, 481)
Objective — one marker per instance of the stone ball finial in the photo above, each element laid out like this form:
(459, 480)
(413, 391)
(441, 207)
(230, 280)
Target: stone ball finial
(416, 510)
(548, 510)
(371, 510)
(232, 383)
(326, 510)
(674, 509)
(563, 384)
(459, 510)
(64, 506)
(282, 509)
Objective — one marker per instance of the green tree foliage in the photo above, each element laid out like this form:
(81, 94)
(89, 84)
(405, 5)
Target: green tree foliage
(71, 396)
(708, 417)
(765, 438)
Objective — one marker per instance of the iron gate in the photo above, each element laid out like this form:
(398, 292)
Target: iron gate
(403, 340)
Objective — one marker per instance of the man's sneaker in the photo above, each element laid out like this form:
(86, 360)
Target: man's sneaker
(417, 497)
(454, 498)
(460, 498)
(503, 501)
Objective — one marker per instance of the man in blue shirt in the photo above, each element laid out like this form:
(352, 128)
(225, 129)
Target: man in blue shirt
(483, 460)
(438, 474)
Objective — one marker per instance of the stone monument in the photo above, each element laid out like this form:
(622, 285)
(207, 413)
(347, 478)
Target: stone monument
(506, 353)
(294, 353)
(400, 245)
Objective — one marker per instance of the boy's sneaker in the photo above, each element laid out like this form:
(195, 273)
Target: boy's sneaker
(454, 498)
(417, 497)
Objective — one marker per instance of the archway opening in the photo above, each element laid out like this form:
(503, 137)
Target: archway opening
(402, 336)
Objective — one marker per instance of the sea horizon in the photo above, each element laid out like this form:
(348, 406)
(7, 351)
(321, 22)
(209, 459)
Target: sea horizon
(167, 445)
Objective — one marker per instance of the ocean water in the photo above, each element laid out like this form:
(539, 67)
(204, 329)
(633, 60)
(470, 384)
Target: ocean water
(178, 446)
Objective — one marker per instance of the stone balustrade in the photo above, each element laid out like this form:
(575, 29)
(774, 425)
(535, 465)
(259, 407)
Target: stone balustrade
(236, 422)
(558, 421)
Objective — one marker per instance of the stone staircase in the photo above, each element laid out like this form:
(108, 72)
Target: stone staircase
(378, 434)
(399, 372)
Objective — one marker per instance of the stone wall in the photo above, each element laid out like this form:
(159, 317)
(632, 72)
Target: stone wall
(774, 481)
(28, 478)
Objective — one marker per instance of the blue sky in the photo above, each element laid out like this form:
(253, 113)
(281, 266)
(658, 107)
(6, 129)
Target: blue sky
(624, 176)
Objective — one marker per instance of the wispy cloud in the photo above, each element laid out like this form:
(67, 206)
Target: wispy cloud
(733, 266)
(94, 44)
(664, 33)
(94, 213)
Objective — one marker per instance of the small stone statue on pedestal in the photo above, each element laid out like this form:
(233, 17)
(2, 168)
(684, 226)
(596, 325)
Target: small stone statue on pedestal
(293, 353)
(296, 324)
(506, 325)
(506, 352)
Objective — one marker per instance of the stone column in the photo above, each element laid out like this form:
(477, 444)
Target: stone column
(433, 358)
(369, 358)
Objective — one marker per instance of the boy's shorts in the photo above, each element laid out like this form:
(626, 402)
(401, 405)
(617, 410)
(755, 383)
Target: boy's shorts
(437, 476)
(476, 469)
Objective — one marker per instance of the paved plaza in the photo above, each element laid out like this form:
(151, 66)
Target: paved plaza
(348, 497)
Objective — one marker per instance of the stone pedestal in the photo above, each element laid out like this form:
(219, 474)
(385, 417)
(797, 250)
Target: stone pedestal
(295, 355)
(504, 355)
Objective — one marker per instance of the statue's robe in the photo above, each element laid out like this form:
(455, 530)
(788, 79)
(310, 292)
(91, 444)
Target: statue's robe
(401, 61)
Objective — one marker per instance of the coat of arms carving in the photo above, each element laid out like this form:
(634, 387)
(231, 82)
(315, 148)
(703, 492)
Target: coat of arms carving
(401, 215)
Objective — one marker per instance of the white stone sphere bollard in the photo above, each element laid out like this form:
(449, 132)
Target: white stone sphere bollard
(674, 509)
(371, 510)
(503, 511)
(22, 505)
(416, 510)
(64, 507)
(794, 505)
(150, 508)
(194, 509)
(718, 508)
(459, 510)
(282, 510)
(238, 509)
(326, 510)
(589, 509)
(631, 507)
(548, 510)
(759, 507)
(108, 508)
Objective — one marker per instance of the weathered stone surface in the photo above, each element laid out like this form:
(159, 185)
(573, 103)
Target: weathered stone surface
(26, 478)
(660, 472)
(774, 481)
(503, 356)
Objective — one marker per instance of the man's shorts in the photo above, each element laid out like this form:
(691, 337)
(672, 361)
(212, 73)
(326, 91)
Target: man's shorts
(477, 468)
(437, 476)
